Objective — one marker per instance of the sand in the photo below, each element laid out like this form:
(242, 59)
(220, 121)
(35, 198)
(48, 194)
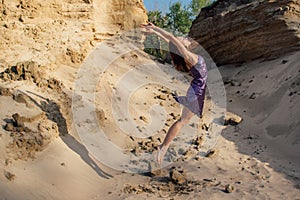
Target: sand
(254, 158)
(50, 147)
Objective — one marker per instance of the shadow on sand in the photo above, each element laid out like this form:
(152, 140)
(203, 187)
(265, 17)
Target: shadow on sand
(53, 113)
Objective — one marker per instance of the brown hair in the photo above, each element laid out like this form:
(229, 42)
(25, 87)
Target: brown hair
(177, 58)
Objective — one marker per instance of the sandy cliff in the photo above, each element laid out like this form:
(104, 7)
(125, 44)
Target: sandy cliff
(62, 31)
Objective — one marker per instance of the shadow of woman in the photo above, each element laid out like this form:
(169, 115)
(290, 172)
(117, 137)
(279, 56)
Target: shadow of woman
(53, 113)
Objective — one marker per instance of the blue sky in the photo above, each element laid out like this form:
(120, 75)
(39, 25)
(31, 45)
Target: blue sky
(162, 5)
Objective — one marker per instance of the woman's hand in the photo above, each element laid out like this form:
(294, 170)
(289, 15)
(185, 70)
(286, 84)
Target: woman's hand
(149, 28)
(148, 31)
(149, 25)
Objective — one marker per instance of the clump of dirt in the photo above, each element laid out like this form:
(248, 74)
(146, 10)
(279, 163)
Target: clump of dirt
(177, 176)
(229, 188)
(5, 91)
(177, 183)
(211, 153)
(25, 142)
(232, 119)
(100, 115)
(21, 97)
(9, 176)
(145, 145)
(30, 70)
(17, 124)
(75, 57)
(197, 142)
(130, 189)
(25, 145)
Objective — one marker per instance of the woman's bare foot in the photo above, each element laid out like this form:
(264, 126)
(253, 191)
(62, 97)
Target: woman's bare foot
(161, 151)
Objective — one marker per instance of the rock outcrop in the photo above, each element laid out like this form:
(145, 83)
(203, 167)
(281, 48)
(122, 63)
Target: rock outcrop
(237, 31)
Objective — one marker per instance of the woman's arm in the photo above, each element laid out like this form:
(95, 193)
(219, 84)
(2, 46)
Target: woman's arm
(190, 57)
(158, 34)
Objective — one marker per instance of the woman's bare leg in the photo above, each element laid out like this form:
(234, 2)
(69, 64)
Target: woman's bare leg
(172, 132)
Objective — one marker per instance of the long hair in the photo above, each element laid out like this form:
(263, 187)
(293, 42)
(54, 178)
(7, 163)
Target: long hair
(177, 58)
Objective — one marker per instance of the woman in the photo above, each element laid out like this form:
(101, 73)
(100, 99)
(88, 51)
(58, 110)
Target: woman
(183, 60)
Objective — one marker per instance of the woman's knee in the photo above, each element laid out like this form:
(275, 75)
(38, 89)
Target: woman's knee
(183, 121)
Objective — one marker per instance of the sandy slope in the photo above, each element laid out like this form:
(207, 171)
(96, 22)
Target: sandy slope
(258, 157)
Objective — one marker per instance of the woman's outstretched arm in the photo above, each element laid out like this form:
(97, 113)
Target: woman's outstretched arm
(159, 35)
(188, 56)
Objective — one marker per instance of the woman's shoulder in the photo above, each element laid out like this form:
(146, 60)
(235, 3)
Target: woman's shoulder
(201, 60)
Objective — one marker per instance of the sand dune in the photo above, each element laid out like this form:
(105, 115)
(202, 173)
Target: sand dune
(250, 160)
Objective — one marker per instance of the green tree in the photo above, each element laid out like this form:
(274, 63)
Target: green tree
(196, 5)
(179, 21)
(157, 18)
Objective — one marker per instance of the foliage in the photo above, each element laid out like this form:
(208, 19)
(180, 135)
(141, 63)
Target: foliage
(158, 18)
(177, 20)
(196, 6)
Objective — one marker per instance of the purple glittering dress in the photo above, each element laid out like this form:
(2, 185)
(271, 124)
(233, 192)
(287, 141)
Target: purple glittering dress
(194, 99)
